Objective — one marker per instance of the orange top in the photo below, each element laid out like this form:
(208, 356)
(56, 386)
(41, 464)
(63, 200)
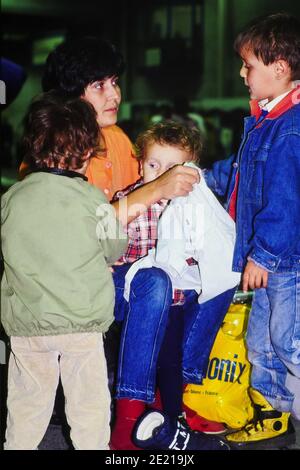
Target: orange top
(114, 171)
(118, 168)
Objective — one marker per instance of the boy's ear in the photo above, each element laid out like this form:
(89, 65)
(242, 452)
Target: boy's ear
(281, 68)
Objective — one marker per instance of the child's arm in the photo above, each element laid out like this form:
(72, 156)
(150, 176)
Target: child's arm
(178, 181)
(110, 233)
(276, 225)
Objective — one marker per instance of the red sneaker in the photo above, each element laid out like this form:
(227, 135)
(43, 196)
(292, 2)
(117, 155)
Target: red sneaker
(198, 423)
(127, 412)
(121, 436)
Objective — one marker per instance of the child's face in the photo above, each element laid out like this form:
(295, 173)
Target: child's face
(160, 158)
(263, 81)
(105, 96)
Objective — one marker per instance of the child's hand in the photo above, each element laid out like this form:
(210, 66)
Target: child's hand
(117, 263)
(254, 277)
(178, 181)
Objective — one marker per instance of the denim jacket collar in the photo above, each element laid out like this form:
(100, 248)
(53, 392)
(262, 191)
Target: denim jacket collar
(286, 103)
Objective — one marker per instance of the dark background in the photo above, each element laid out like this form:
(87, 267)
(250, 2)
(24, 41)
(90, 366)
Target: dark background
(175, 50)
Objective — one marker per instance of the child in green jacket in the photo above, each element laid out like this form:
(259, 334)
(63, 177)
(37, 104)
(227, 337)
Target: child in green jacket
(59, 234)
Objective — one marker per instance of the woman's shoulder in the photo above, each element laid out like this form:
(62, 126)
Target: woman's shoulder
(115, 132)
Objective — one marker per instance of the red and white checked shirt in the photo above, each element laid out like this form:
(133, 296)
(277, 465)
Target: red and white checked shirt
(142, 234)
(142, 231)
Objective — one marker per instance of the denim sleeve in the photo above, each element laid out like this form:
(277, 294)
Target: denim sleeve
(276, 226)
(217, 178)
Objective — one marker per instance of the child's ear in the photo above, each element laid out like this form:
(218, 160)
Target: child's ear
(141, 172)
(281, 68)
(87, 155)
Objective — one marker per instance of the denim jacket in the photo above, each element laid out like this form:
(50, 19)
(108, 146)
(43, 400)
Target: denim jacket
(268, 199)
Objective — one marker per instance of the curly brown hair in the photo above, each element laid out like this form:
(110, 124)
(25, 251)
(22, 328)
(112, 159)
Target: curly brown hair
(60, 132)
(171, 133)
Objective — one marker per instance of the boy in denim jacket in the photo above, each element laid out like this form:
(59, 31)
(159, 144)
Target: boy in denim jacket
(262, 184)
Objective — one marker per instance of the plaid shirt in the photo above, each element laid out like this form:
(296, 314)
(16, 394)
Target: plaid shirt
(142, 231)
(142, 234)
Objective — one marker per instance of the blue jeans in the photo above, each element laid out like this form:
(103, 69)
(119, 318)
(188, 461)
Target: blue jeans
(144, 320)
(201, 325)
(169, 364)
(189, 338)
(273, 338)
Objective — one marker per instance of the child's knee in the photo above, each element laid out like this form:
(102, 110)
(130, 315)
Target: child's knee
(153, 279)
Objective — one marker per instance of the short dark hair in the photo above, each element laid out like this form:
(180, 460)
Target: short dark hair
(76, 63)
(60, 130)
(271, 38)
(171, 133)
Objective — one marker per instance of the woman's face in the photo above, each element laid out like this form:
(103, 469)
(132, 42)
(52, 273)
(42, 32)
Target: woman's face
(105, 96)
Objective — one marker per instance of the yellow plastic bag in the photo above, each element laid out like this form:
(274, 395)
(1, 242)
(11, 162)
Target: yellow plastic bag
(223, 396)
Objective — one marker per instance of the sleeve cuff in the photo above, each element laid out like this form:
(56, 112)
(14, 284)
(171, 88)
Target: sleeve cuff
(264, 259)
(210, 180)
